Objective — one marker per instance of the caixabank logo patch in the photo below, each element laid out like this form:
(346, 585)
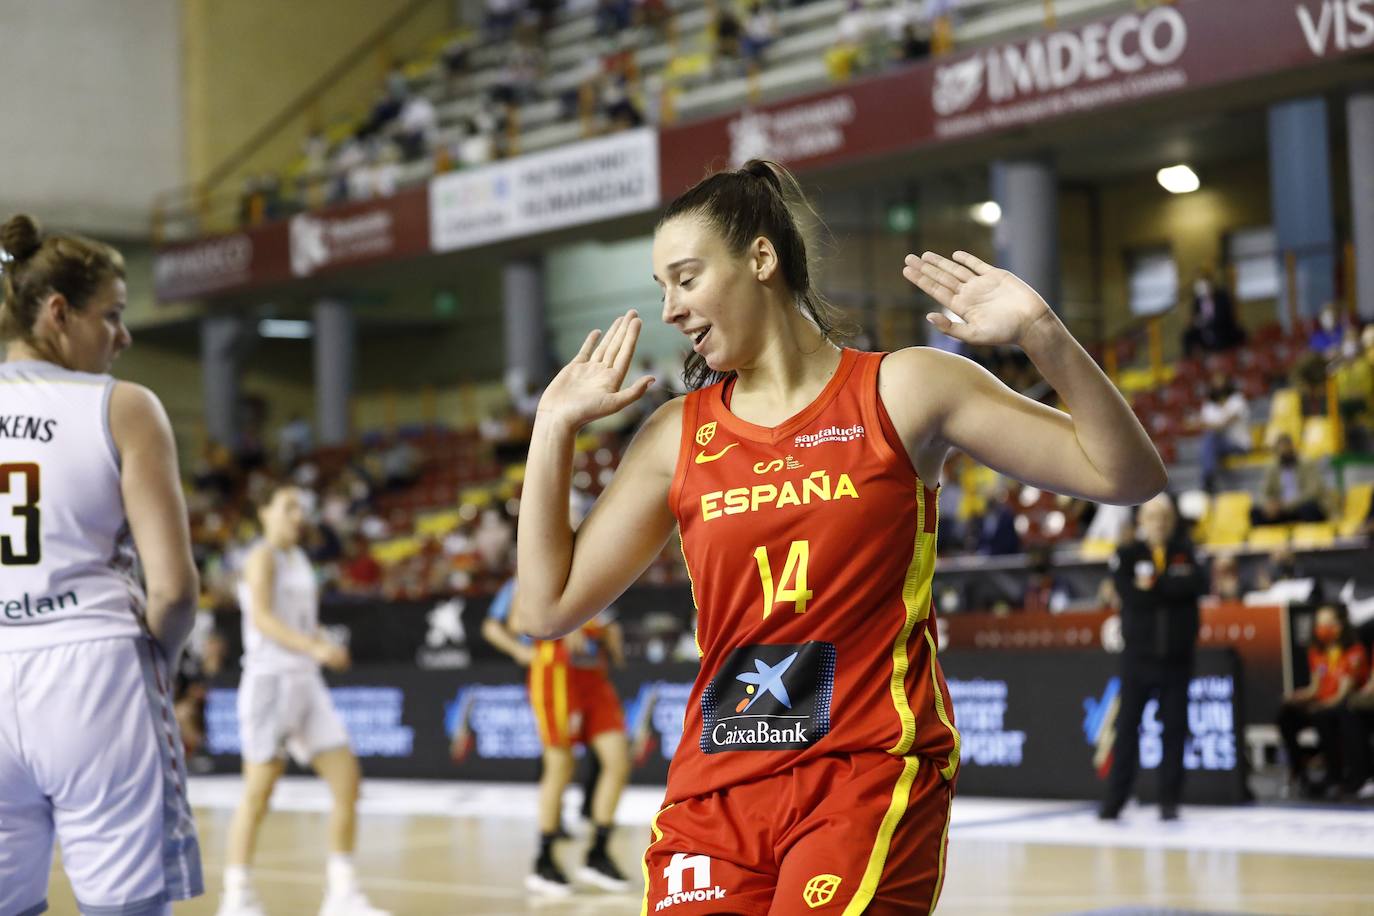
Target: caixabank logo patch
(769, 698)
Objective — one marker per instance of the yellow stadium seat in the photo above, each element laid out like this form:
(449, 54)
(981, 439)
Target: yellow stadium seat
(1096, 549)
(1314, 534)
(515, 473)
(1319, 438)
(395, 550)
(437, 524)
(1357, 500)
(1285, 416)
(1265, 537)
(1229, 521)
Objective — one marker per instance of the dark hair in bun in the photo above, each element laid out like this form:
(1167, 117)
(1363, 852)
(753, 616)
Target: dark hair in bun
(34, 267)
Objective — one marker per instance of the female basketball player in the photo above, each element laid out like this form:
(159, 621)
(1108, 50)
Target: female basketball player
(802, 481)
(284, 706)
(89, 747)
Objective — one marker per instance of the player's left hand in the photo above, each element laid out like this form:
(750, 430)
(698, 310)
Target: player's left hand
(997, 307)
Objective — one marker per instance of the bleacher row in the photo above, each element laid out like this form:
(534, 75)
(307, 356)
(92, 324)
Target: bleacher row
(680, 70)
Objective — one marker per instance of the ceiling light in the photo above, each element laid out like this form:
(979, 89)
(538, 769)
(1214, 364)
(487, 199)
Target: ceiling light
(1178, 179)
(988, 213)
(289, 330)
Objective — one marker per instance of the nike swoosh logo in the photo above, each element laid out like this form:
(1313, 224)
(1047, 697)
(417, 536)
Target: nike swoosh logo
(703, 458)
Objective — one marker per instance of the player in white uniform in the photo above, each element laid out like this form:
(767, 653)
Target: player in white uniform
(89, 748)
(284, 706)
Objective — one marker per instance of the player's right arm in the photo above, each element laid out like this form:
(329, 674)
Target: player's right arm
(565, 578)
(499, 635)
(260, 574)
(150, 484)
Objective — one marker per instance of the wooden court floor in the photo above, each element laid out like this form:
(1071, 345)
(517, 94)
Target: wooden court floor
(1001, 860)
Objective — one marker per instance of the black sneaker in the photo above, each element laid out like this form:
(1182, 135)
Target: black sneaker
(548, 879)
(601, 872)
(1168, 812)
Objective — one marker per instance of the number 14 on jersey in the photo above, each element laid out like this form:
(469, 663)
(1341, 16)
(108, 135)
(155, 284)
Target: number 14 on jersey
(793, 570)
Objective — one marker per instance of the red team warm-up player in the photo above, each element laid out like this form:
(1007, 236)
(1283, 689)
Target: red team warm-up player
(818, 760)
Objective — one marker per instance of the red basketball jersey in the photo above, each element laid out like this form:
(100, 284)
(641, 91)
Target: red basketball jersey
(811, 550)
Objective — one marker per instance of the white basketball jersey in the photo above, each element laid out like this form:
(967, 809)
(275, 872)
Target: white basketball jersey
(295, 602)
(68, 571)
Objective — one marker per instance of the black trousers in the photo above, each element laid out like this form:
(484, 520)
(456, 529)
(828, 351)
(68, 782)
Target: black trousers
(1140, 680)
(1293, 718)
(1357, 724)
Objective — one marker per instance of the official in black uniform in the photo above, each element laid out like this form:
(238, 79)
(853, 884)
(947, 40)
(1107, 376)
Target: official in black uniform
(1159, 580)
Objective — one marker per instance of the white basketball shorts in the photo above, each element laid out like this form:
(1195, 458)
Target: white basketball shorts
(287, 713)
(90, 752)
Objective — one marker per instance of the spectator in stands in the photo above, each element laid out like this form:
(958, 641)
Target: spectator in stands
(612, 17)
(1213, 327)
(1225, 421)
(851, 36)
(1337, 666)
(416, 127)
(456, 59)
(760, 31)
(502, 15)
(544, 13)
(294, 440)
(1293, 490)
(1044, 590)
(1282, 566)
(727, 29)
(913, 45)
(384, 110)
(1326, 339)
(315, 153)
(940, 16)
(473, 146)
(655, 15)
(519, 74)
(1227, 584)
(618, 107)
(997, 534)
(1355, 390)
(908, 35)
(400, 465)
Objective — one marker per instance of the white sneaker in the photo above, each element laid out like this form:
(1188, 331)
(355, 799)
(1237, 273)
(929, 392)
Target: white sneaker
(545, 887)
(240, 903)
(1366, 790)
(352, 902)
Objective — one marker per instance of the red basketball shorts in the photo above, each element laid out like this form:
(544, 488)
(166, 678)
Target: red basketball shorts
(846, 834)
(572, 705)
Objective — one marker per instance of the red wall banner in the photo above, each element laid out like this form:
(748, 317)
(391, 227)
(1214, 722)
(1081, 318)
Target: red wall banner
(1114, 61)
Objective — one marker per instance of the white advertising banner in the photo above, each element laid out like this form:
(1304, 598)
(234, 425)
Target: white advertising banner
(569, 186)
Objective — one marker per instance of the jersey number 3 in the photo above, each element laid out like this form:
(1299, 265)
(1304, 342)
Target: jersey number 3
(793, 570)
(27, 510)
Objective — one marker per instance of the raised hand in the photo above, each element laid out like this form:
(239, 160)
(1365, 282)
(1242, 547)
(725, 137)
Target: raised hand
(996, 306)
(588, 388)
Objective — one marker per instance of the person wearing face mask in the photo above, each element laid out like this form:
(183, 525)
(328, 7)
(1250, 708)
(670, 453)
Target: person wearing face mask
(89, 491)
(1159, 581)
(1337, 665)
(1293, 490)
(1225, 420)
(1213, 327)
